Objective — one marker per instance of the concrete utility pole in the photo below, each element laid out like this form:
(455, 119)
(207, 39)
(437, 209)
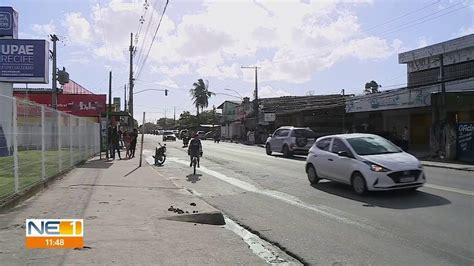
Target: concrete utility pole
(108, 116)
(130, 87)
(54, 101)
(125, 97)
(344, 113)
(442, 116)
(256, 105)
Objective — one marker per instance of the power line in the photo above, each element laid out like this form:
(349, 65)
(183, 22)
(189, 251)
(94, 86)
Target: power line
(402, 16)
(153, 40)
(147, 30)
(395, 29)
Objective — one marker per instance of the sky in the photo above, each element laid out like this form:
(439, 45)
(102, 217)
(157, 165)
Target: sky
(301, 47)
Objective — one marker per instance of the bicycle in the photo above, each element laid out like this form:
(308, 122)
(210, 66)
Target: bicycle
(194, 162)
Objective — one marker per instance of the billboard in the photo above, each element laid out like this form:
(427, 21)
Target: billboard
(76, 104)
(465, 142)
(8, 22)
(24, 61)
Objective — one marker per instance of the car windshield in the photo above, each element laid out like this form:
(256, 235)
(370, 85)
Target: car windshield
(168, 133)
(372, 145)
(306, 133)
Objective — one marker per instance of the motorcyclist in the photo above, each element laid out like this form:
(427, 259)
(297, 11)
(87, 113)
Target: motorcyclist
(186, 138)
(195, 149)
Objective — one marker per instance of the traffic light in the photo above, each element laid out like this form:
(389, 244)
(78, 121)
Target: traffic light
(166, 92)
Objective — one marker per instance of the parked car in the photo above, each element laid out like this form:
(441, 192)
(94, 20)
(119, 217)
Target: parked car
(209, 135)
(290, 140)
(201, 134)
(367, 162)
(169, 135)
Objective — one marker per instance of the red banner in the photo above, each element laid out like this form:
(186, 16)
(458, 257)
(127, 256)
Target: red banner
(75, 104)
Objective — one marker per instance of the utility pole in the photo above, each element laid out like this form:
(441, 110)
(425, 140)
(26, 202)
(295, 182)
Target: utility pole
(174, 116)
(109, 109)
(344, 113)
(109, 124)
(125, 97)
(256, 105)
(130, 87)
(442, 115)
(54, 88)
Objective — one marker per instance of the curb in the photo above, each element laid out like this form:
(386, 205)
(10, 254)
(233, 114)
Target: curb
(469, 169)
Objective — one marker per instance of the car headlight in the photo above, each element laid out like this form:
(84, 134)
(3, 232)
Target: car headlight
(420, 166)
(376, 168)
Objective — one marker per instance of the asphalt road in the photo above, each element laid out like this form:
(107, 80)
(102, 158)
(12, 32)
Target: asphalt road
(328, 223)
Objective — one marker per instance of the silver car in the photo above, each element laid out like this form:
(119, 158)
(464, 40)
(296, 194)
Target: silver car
(290, 140)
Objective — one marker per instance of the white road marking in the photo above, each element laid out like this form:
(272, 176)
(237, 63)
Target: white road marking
(259, 247)
(323, 210)
(450, 189)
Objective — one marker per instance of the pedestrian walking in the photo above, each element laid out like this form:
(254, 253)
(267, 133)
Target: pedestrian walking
(405, 139)
(133, 142)
(126, 142)
(114, 139)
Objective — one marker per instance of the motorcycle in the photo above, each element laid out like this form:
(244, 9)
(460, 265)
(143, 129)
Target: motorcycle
(185, 142)
(160, 154)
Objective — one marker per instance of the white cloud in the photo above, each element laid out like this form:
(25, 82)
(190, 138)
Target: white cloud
(169, 83)
(422, 42)
(44, 30)
(465, 31)
(172, 71)
(269, 92)
(213, 40)
(78, 29)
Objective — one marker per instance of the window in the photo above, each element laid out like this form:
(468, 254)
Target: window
(338, 145)
(372, 145)
(324, 144)
(303, 133)
(284, 133)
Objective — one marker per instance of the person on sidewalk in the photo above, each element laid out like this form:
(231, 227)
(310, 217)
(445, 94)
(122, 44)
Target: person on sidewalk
(126, 141)
(133, 142)
(114, 139)
(195, 149)
(405, 139)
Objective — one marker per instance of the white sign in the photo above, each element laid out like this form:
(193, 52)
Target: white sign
(269, 117)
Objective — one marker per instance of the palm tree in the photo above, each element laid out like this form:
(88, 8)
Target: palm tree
(200, 95)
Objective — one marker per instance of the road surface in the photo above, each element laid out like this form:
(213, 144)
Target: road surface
(328, 223)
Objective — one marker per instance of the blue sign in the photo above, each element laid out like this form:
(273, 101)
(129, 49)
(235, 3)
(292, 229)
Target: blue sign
(8, 22)
(24, 61)
(465, 142)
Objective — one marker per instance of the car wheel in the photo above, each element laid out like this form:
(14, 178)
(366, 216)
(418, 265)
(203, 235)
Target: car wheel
(286, 152)
(312, 175)
(358, 184)
(268, 149)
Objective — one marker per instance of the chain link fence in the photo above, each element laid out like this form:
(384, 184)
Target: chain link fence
(37, 143)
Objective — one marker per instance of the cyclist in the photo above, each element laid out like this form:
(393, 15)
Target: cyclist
(195, 149)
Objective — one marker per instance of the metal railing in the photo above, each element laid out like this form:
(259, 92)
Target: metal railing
(37, 143)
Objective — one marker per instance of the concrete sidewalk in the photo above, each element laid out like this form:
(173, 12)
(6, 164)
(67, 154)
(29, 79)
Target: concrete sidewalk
(124, 210)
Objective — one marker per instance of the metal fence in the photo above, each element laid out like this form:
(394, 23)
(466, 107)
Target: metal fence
(37, 142)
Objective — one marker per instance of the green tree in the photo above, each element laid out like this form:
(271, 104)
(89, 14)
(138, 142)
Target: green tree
(371, 87)
(200, 94)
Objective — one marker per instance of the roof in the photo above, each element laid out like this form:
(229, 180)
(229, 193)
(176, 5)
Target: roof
(222, 104)
(437, 49)
(295, 104)
(351, 135)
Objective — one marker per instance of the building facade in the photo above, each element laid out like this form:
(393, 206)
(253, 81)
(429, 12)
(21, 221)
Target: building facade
(429, 114)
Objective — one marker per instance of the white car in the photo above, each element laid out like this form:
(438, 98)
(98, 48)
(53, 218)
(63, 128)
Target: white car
(364, 161)
(290, 140)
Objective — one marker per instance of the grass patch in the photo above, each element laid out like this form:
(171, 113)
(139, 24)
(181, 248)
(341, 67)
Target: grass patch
(30, 168)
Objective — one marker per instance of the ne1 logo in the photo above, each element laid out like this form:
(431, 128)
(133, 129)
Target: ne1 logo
(54, 233)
